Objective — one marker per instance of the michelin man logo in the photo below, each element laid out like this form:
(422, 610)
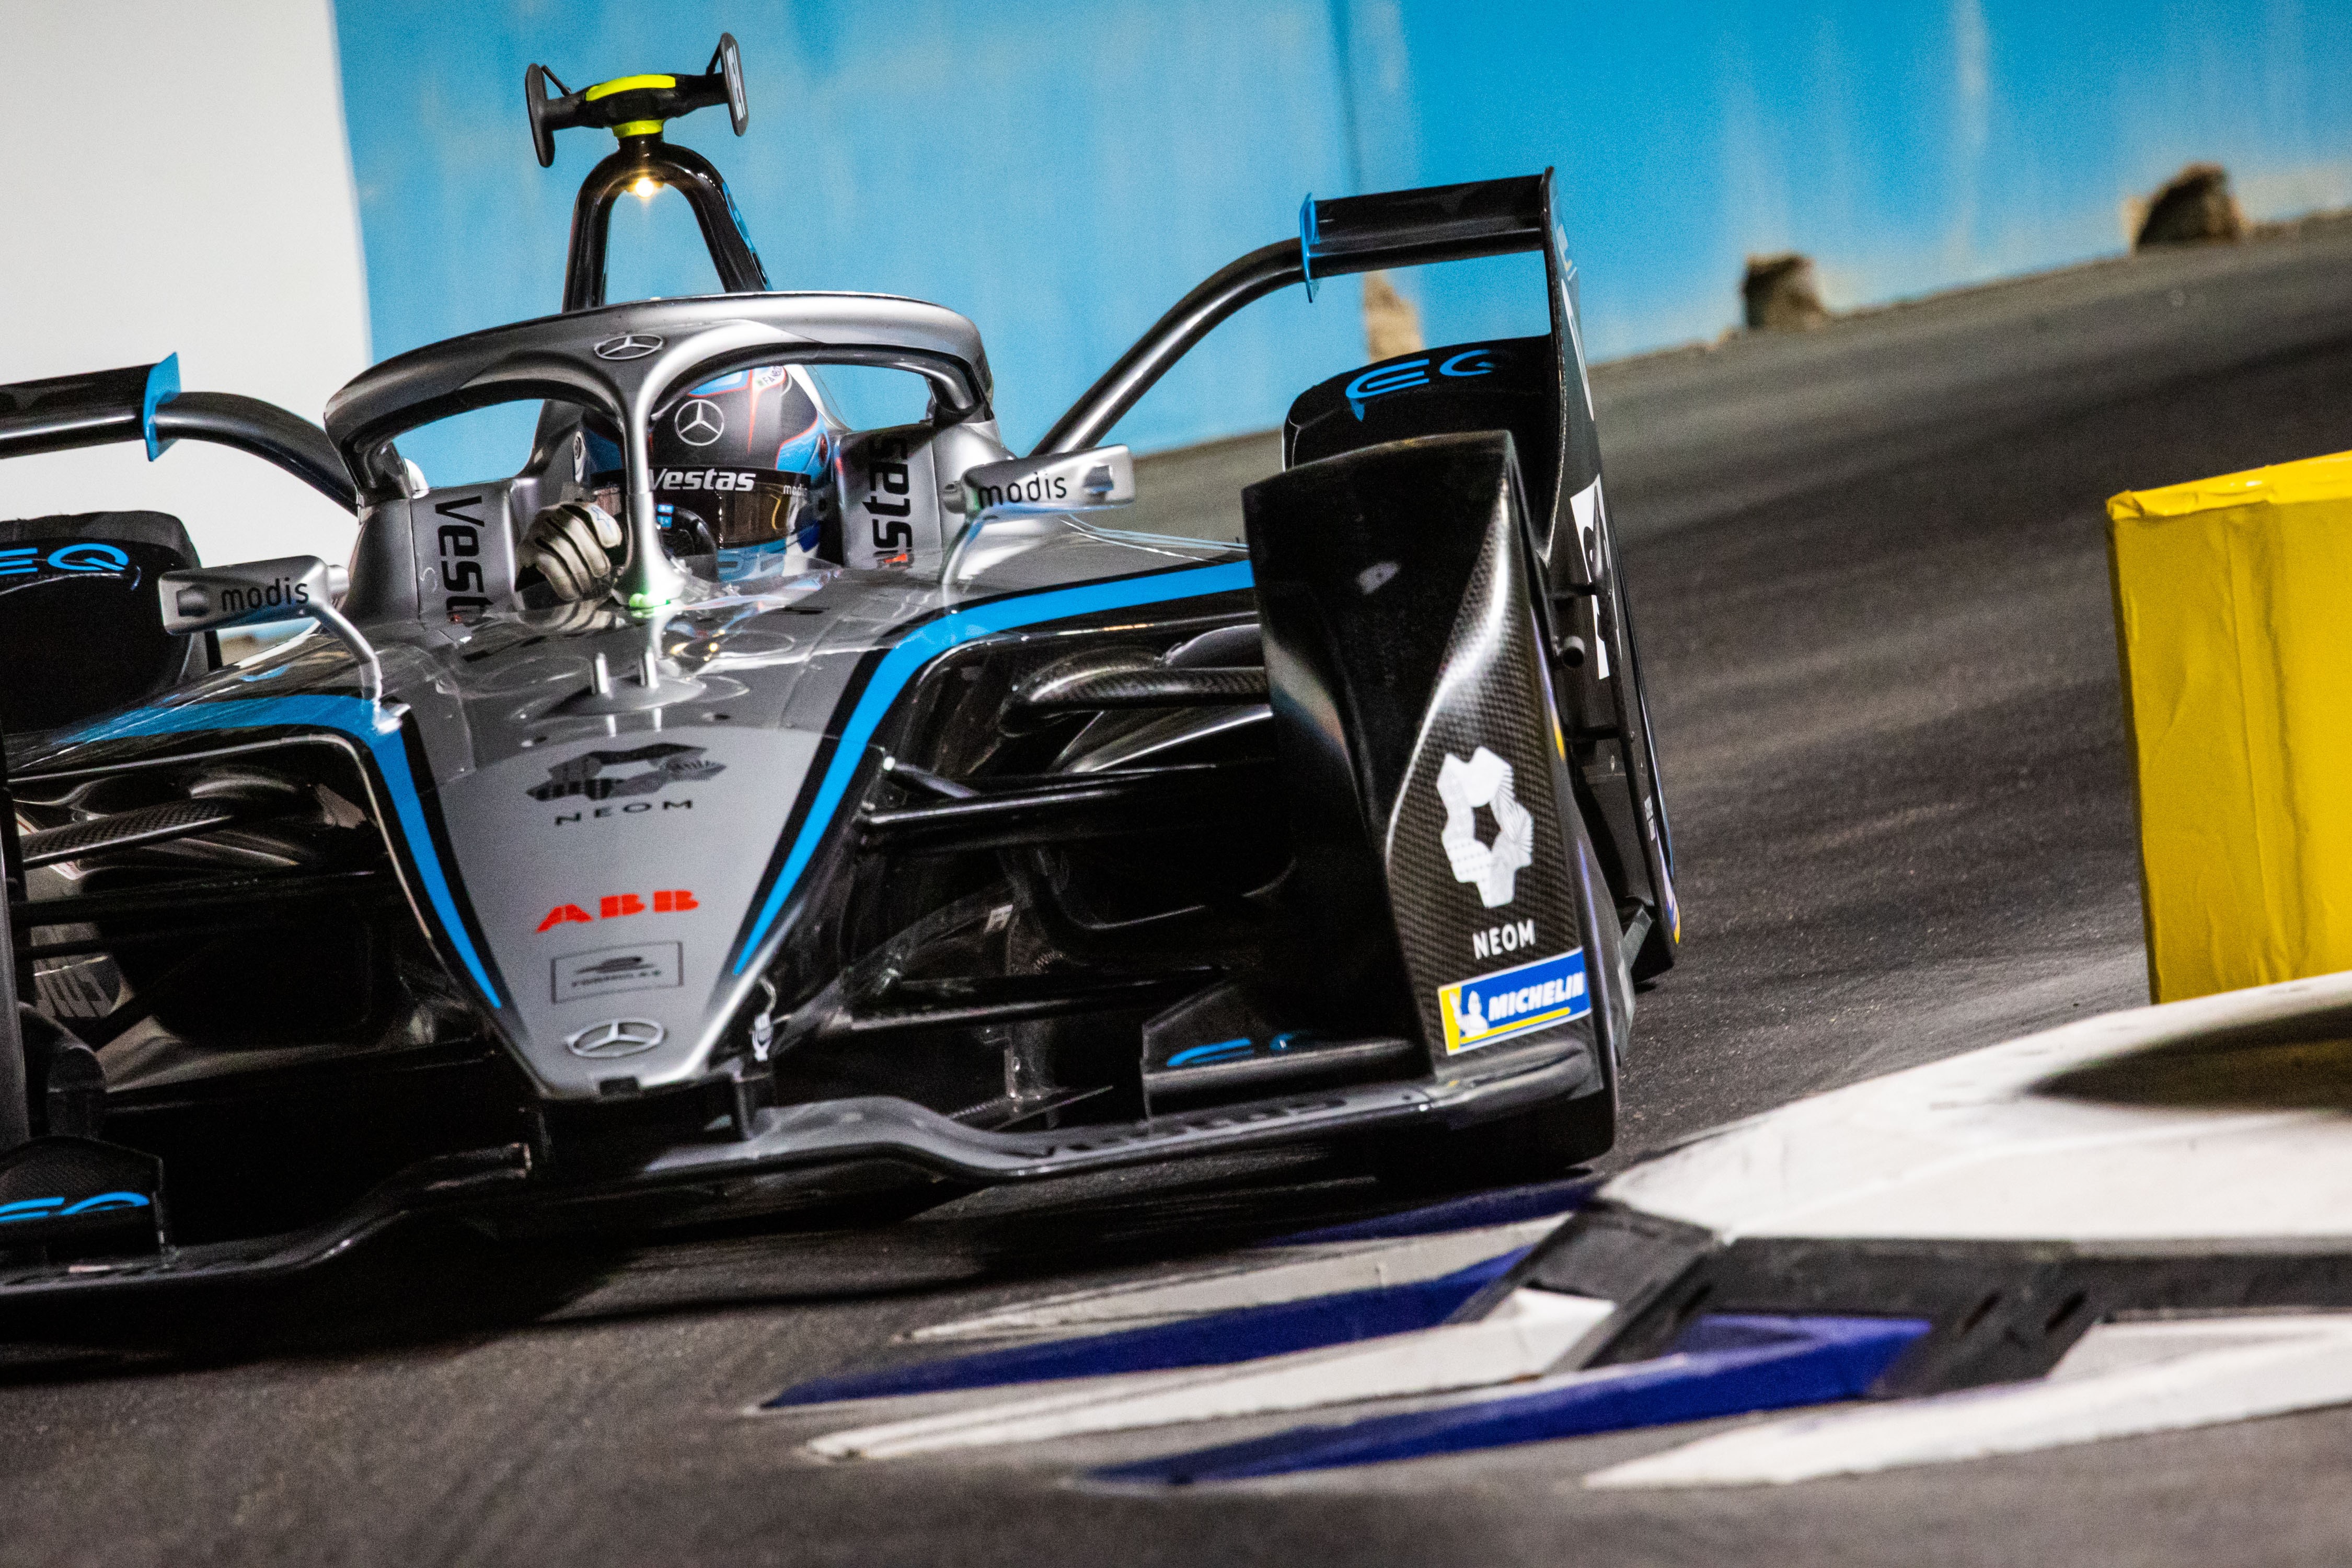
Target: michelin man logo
(1485, 780)
(1470, 1016)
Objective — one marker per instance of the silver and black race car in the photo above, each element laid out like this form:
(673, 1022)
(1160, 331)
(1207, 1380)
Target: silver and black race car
(736, 807)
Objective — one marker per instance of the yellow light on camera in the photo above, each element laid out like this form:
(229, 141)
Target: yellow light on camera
(644, 188)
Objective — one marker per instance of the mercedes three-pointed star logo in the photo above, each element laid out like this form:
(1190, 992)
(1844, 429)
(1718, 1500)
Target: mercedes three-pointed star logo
(616, 1037)
(628, 345)
(700, 423)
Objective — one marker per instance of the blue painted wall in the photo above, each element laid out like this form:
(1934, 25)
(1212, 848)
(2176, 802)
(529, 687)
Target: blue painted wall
(1907, 145)
(1062, 169)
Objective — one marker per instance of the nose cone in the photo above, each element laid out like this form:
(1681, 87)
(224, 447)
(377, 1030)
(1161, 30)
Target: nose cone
(611, 877)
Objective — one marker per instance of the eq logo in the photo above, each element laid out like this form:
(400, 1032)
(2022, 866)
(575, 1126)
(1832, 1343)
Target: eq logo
(628, 345)
(615, 906)
(58, 1208)
(82, 555)
(1404, 374)
(1493, 869)
(616, 1037)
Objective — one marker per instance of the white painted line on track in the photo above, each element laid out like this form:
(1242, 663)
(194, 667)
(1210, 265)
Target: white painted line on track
(1991, 1145)
(1264, 1278)
(2122, 1379)
(1527, 1334)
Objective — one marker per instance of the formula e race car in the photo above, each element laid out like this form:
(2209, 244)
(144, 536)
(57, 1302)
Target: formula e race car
(733, 808)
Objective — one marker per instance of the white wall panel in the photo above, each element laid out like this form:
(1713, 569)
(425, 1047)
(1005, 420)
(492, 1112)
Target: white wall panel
(192, 191)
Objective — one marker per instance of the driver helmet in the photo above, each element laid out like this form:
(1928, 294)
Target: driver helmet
(735, 467)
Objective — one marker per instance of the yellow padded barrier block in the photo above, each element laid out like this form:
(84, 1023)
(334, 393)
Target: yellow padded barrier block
(2233, 611)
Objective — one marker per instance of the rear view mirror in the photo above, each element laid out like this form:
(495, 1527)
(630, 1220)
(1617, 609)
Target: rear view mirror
(291, 588)
(254, 594)
(1067, 481)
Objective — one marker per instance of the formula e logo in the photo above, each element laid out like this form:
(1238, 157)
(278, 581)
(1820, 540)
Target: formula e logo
(578, 976)
(700, 423)
(628, 345)
(616, 1037)
(655, 766)
(83, 555)
(1404, 374)
(1494, 868)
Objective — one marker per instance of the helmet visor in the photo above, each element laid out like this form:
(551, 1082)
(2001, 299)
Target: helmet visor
(732, 509)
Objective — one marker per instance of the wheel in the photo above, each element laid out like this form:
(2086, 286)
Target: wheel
(1657, 953)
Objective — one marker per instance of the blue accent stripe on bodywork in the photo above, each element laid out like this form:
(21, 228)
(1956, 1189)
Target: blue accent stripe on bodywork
(1722, 1365)
(163, 385)
(1221, 1051)
(1215, 1339)
(1308, 240)
(937, 636)
(353, 716)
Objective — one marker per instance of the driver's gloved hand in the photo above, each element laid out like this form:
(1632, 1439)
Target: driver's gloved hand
(572, 544)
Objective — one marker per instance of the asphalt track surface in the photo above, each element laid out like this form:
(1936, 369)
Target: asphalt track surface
(1870, 573)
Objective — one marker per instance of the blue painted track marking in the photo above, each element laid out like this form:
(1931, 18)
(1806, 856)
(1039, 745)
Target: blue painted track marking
(353, 716)
(1504, 1207)
(1217, 1339)
(925, 643)
(1723, 1365)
